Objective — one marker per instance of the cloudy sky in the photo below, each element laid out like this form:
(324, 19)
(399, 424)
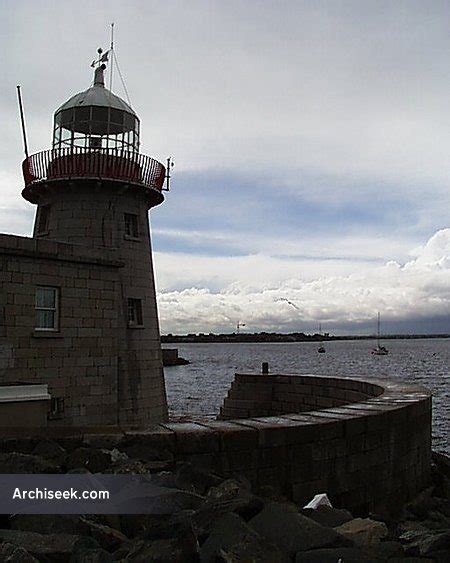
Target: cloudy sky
(311, 143)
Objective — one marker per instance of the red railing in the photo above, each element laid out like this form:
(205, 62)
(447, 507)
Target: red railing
(108, 164)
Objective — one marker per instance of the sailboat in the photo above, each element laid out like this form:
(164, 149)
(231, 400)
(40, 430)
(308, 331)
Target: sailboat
(321, 348)
(379, 350)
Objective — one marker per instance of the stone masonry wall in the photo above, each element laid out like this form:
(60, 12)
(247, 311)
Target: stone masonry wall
(80, 361)
(368, 456)
(92, 213)
(254, 395)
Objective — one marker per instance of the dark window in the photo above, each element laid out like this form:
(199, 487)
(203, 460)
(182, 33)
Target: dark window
(83, 113)
(44, 215)
(99, 113)
(135, 312)
(131, 225)
(116, 116)
(65, 117)
(56, 407)
(47, 308)
(130, 121)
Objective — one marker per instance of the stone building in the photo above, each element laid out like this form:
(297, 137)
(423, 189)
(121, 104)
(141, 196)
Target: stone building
(77, 300)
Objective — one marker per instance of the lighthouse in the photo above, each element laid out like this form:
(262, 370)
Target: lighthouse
(89, 328)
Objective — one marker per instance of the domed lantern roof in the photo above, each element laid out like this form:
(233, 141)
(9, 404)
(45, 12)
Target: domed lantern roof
(96, 118)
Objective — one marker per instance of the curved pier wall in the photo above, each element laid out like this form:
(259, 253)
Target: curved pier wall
(265, 395)
(369, 455)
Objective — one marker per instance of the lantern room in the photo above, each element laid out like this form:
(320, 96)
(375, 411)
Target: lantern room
(96, 119)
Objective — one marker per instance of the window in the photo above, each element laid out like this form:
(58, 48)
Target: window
(47, 303)
(135, 312)
(44, 215)
(131, 225)
(56, 407)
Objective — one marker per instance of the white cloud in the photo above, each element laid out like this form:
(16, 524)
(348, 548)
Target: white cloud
(416, 289)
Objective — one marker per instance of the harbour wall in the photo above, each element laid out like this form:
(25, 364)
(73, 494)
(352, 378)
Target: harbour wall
(366, 444)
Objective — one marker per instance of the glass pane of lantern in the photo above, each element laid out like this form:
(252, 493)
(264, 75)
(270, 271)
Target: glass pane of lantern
(99, 114)
(65, 117)
(129, 121)
(99, 127)
(116, 116)
(82, 113)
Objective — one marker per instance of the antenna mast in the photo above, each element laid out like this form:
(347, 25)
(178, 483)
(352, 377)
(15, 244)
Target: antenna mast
(111, 47)
(22, 119)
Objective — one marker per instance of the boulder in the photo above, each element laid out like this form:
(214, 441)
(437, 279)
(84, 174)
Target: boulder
(436, 544)
(136, 525)
(389, 549)
(442, 463)
(364, 532)
(92, 555)
(50, 524)
(108, 538)
(233, 540)
(328, 516)
(44, 547)
(87, 550)
(284, 526)
(174, 501)
(234, 495)
(174, 550)
(26, 463)
(335, 554)
(10, 553)
(51, 451)
(191, 478)
(95, 460)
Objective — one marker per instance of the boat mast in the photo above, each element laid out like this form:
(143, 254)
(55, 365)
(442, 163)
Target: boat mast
(378, 333)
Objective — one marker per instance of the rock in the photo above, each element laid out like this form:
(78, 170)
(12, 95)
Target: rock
(436, 543)
(87, 550)
(10, 553)
(45, 547)
(195, 480)
(364, 532)
(117, 456)
(421, 505)
(26, 463)
(136, 525)
(234, 495)
(333, 555)
(328, 516)
(94, 555)
(442, 463)
(174, 501)
(389, 549)
(50, 450)
(50, 524)
(95, 460)
(107, 537)
(128, 467)
(233, 540)
(411, 560)
(173, 550)
(284, 526)
(23, 445)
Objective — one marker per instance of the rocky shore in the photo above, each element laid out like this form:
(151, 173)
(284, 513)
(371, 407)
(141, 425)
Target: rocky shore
(204, 517)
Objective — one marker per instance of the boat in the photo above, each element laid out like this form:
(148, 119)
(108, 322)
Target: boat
(379, 350)
(321, 348)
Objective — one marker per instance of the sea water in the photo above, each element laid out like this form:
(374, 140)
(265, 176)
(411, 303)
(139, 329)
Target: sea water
(197, 390)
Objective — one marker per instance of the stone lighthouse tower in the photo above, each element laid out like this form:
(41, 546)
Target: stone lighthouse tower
(93, 190)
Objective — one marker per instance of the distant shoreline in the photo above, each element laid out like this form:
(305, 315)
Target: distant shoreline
(291, 337)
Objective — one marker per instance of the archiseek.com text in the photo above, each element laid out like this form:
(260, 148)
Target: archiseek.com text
(50, 494)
